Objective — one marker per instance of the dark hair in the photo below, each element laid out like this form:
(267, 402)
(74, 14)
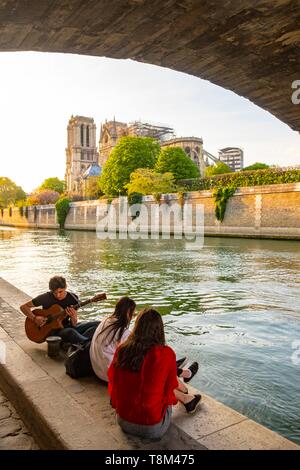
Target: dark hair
(57, 282)
(120, 317)
(148, 332)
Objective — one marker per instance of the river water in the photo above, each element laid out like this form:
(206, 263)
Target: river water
(234, 305)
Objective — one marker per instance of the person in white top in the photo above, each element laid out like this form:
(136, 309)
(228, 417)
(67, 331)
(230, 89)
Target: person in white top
(109, 334)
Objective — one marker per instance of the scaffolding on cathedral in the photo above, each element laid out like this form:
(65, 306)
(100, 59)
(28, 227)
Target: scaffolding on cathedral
(146, 129)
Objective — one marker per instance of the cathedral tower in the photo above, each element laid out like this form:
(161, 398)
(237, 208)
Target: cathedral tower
(81, 151)
(110, 134)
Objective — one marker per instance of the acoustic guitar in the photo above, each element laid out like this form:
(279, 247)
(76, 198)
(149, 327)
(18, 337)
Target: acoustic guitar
(55, 316)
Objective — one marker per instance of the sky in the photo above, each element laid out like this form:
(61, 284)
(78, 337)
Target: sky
(40, 91)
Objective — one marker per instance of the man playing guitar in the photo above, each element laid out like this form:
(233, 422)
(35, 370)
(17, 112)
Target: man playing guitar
(72, 331)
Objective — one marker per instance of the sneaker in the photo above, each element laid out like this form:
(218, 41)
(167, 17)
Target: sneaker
(181, 362)
(194, 369)
(192, 405)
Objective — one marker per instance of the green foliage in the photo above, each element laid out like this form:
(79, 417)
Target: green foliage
(221, 196)
(243, 179)
(129, 154)
(180, 195)
(218, 169)
(256, 166)
(92, 189)
(135, 198)
(157, 196)
(175, 160)
(54, 184)
(62, 207)
(146, 181)
(10, 193)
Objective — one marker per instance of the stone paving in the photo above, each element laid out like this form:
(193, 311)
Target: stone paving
(13, 433)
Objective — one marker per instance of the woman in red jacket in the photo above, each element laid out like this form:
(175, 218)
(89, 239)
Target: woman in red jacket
(143, 383)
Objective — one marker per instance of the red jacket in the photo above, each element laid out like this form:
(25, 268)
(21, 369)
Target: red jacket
(142, 397)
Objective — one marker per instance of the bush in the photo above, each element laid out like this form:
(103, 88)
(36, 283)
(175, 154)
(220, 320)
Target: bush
(243, 179)
(146, 181)
(175, 161)
(218, 168)
(62, 207)
(256, 166)
(92, 188)
(75, 197)
(135, 198)
(42, 197)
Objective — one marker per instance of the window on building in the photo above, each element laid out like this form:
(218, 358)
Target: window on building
(81, 134)
(187, 150)
(87, 136)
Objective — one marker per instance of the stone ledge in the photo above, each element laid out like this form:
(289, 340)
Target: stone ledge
(79, 416)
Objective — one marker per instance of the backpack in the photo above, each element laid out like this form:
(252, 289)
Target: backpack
(78, 362)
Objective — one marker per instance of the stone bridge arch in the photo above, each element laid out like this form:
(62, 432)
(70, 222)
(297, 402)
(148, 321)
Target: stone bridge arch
(251, 47)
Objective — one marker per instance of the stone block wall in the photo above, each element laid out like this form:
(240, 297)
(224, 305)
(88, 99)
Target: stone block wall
(271, 211)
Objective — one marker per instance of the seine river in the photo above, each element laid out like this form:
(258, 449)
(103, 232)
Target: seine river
(234, 305)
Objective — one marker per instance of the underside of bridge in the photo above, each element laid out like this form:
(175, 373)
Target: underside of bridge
(251, 47)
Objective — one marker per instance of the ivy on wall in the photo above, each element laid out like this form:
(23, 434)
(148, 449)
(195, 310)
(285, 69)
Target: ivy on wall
(62, 207)
(221, 196)
(135, 198)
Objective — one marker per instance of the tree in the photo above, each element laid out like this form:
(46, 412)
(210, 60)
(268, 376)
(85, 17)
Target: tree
(218, 169)
(175, 160)
(43, 196)
(92, 189)
(10, 193)
(129, 154)
(256, 166)
(146, 181)
(55, 184)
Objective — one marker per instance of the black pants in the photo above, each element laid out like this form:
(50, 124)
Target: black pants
(80, 333)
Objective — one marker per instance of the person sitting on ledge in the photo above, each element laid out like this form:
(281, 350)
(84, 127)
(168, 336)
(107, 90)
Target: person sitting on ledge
(111, 331)
(72, 331)
(143, 383)
(114, 330)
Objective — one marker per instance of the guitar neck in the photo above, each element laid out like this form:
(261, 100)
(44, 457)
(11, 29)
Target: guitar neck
(88, 301)
(81, 304)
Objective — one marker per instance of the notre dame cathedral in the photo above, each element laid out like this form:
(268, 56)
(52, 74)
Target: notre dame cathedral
(83, 160)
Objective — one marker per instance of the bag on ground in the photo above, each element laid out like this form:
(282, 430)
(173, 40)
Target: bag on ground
(77, 362)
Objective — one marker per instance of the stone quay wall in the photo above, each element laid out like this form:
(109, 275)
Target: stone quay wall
(271, 211)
